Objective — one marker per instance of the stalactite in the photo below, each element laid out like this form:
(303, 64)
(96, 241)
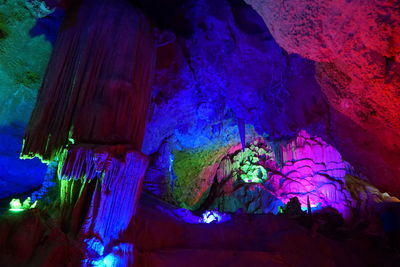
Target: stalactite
(101, 186)
(115, 182)
(113, 204)
(97, 86)
(90, 116)
(84, 161)
(242, 132)
(75, 198)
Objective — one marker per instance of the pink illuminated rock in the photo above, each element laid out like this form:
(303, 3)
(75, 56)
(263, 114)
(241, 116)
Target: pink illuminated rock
(314, 170)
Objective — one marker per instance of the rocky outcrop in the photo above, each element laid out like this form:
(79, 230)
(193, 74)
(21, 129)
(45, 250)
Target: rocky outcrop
(260, 179)
(357, 47)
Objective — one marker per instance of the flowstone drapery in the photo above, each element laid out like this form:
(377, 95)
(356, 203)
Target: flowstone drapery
(90, 115)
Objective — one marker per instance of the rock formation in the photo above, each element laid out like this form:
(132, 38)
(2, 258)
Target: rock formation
(90, 115)
(224, 111)
(357, 49)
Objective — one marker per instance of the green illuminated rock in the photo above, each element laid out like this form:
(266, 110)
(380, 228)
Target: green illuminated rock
(190, 170)
(16, 206)
(246, 165)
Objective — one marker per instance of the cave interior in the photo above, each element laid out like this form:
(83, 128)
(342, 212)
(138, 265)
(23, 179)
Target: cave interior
(155, 133)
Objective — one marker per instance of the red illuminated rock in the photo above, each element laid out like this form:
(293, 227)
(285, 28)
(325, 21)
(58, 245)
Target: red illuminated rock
(357, 47)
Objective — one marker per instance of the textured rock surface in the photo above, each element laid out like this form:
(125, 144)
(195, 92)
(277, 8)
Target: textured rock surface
(230, 68)
(22, 63)
(325, 30)
(201, 89)
(357, 46)
(220, 68)
(309, 169)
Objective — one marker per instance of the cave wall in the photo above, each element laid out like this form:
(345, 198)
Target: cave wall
(355, 45)
(231, 63)
(203, 88)
(201, 91)
(23, 61)
(299, 81)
